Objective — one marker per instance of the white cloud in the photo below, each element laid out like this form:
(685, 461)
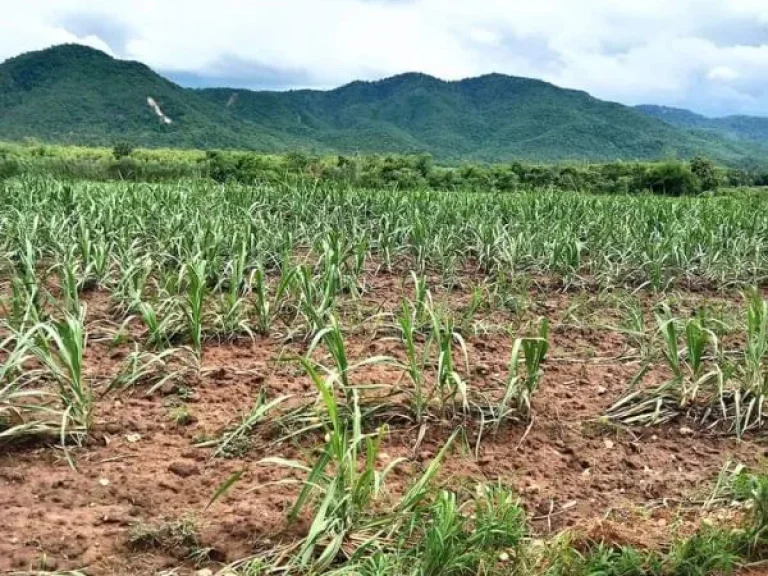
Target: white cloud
(680, 53)
(485, 36)
(724, 73)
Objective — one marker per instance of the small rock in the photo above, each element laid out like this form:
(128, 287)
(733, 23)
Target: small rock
(136, 426)
(120, 520)
(104, 481)
(204, 572)
(168, 388)
(184, 469)
(685, 431)
(132, 438)
(482, 370)
(601, 390)
(608, 444)
(113, 428)
(218, 374)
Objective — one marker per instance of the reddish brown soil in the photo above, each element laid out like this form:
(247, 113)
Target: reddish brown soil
(139, 467)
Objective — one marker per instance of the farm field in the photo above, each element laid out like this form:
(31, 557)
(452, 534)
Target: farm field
(312, 379)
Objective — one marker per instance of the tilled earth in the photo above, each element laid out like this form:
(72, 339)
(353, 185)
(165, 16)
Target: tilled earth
(571, 469)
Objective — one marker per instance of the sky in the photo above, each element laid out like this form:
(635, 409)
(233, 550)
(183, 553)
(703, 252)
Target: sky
(710, 56)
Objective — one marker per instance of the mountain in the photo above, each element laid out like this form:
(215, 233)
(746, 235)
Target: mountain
(75, 94)
(491, 117)
(734, 128)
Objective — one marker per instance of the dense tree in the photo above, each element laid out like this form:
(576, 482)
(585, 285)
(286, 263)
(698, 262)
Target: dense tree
(122, 150)
(706, 172)
(671, 179)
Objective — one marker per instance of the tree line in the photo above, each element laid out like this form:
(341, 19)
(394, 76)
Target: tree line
(124, 162)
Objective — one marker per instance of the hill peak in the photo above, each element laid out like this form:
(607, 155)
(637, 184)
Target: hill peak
(61, 53)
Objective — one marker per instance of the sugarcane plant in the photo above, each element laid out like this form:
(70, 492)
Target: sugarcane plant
(690, 379)
(523, 378)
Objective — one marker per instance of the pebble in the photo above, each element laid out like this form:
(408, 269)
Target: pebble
(168, 388)
(136, 426)
(218, 374)
(184, 469)
(113, 428)
(194, 454)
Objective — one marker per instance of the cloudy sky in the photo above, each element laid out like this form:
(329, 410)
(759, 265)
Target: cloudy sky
(707, 55)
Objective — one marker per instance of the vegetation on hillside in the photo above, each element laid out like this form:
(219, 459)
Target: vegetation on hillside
(737, 127)
(77, 95)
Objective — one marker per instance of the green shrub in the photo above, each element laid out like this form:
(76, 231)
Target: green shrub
(670, 179)
(122, 150)
(706, 173)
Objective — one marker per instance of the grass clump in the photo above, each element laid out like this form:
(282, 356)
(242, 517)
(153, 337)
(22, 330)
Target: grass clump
(179, 537)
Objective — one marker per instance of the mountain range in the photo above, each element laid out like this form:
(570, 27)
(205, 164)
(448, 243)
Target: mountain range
(79, 95)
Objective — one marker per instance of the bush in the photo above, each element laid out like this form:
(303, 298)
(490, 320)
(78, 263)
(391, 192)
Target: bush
(706, 173)
(122, 150)
(221, 166)
(670, 179)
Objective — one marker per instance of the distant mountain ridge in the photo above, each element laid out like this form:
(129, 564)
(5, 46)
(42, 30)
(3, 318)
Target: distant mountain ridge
(75, 94)
(736, 127)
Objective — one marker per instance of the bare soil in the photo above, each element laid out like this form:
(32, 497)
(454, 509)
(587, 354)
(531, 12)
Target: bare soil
(140, 468)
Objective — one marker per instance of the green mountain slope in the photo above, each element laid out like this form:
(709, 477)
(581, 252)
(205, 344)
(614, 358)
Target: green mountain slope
(734, 128)
(74, 94)
(492, 117)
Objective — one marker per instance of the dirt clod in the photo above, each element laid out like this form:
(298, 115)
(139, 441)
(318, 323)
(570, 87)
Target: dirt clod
(184, 469)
